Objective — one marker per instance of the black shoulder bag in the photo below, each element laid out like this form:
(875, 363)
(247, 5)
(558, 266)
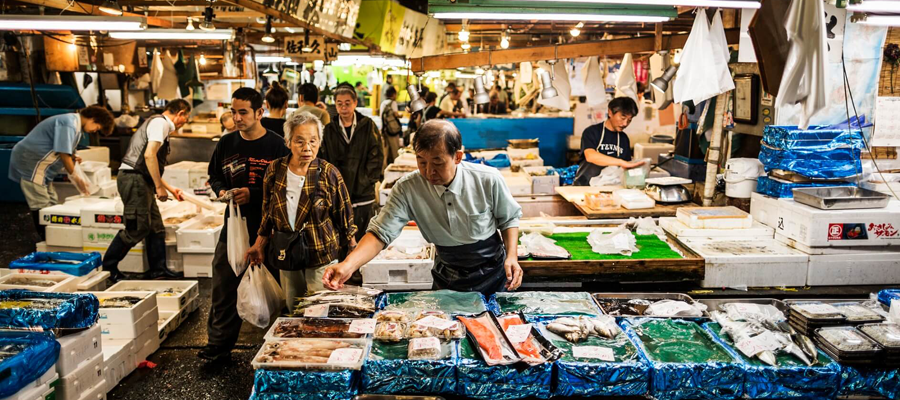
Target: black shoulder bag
(289, 251)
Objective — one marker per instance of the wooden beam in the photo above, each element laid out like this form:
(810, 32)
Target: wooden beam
(563, 51)
(90, 9)
(657, 43)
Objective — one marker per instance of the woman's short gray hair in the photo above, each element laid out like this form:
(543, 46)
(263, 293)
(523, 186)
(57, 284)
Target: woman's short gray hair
(298, 118)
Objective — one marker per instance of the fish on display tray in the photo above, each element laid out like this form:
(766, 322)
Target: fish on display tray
(30, 282)
(309, 353)
(576, 329)
(391, 331)
(120, 301)
(314, 328)
(650, 307)
(37, 304)
(765, 341)
(534, 349)
(348, 303)
(484, 330)
(435, 324)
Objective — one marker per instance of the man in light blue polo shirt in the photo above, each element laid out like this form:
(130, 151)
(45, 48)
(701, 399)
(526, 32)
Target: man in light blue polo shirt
(48, 150)
(457, 206)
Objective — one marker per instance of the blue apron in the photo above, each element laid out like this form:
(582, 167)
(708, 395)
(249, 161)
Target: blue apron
(476, 267)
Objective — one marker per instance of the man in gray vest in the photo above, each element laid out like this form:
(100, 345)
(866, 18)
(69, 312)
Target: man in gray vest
(140, 184)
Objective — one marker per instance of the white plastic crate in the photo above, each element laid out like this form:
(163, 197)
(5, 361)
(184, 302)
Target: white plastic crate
(194, 304)
(165, 302)
(95, 283)
(127, 323)
(64, 236)
(193, 237)
(86, 376)
(78, 348)
(749, 263)
(198, 265)
(714, 218)
(682, 231)
(64, 283)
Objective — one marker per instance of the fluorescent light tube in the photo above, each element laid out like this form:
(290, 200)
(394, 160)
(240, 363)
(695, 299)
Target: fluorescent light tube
(674, 3)
(175, 34)
(875, 6)
(882, 20)
(271, 59)
(550, 17)
(70, 23)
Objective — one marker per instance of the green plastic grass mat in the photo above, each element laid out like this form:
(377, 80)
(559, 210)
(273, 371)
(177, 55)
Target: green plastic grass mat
(679, 342)
(785, 360)
(651, 248)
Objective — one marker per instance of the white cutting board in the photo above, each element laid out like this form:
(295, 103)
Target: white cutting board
(575, 194)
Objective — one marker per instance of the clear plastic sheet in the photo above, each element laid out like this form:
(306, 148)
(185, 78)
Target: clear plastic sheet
(779, 189)
(448, 301)
(870, 382)
(476, 379)
(306, 385)
(26, 309)
(790, 380)
(82, 263)
(815, 163)
(628, 375)
(388, 371)
(25, 357)
(753, 312)
(714, 373)
(544, 303)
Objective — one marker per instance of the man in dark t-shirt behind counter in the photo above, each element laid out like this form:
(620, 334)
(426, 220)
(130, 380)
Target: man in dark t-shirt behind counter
(606, 144)
(239, 165)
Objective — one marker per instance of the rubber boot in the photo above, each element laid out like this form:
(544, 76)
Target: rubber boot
(115, 253)
(155, 246)
(41, 229)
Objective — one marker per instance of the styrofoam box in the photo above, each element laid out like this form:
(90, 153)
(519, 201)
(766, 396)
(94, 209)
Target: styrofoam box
(833, 251)
(97, 171)
(751, 263)
(32, 392)
(126, 316)
(399, 271)
(537, 162)
(519, 183)
(764, 209)
(394, 172)
(178, 209)
(93, 236)
(813, 227)
(123, 331)
(118, 360)
(86, 376)
(168, 321)
(68, 213)
(47, 378)
(632, 199)
(542, 184)
(150, 340)
(135, 262)
(66, 236)
(192, 239)
(174, 259)
(95, 153)
(96, 283)
(682, 231)
(877, 268)
(64, 283)
(78, 348)
(107, 190)
(384, 193)
(78, 279)
(714, 218)
(187, 174)
(198, 265)
(515, 152)
(190, 290)
(98, 392)
(103, 213)
(194, 304)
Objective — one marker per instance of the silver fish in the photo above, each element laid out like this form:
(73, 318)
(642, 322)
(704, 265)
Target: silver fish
(796, 352)
(562, 329)
(768, 357)
(806, 345)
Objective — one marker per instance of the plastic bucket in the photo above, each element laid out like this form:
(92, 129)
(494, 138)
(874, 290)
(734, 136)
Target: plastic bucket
(740, 177)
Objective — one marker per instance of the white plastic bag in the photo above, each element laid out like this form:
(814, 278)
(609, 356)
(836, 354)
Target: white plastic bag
(543, 247)
(626, 83)
(646, 226)
(85, 186)
(722, 55)
(259, 297)
(594, 87)
(620, 241)
(700, 73)
(238, 239)
(609, 176)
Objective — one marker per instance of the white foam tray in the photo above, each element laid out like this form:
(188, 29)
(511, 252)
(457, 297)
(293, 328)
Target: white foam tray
(64, 283)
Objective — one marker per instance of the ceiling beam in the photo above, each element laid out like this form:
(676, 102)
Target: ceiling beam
(558, 52)
(90, 9)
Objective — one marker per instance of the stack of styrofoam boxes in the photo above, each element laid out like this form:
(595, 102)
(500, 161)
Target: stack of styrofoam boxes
(101, 222)
(402, 275)
(845, 247)
(43, 388)
(520, 158)
(187, 174)
(174, 305)
(81, 366)
(392, 174)
(174, 259)
(739, 252)
(197, 244)
(94, 280)
(519, 183)
(63, 223)
(98, 173)
(134, 327)
(18, 280)
(543, 181)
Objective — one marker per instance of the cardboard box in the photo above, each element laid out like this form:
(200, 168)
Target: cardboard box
(750, 263)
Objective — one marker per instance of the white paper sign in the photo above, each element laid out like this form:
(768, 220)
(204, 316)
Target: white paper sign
(316, 311)
(424, 343)
(766, 341)
(816, 309)
(595, 352)
(345, 356)
(887, 118)
(363, 326)
(435, 322)
(518, 333)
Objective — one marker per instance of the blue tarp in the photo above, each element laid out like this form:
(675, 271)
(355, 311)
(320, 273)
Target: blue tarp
(306, 385)
(26, 309)
(39, 261)
(37, 353)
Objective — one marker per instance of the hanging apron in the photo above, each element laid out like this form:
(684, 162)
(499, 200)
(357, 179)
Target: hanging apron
(586, 170)
(476, 267)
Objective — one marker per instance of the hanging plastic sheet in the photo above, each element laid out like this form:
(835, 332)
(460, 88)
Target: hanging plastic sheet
(544, 303)
(864, 381)
(703, 72)
(26, 309)
(791, 379)
(76, 264)
(306, 385)
(594, 87)
(782, 189)
(686, 361)
(448, 301)
(388, 371)
(28, 356)
(626, 375)
(626, 84)
(803, 81)
(478, 380)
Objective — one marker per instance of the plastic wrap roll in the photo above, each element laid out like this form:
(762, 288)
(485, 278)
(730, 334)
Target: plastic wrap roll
(790, 380)
(870, 382)
(719, 378)
(87, 262)
(37, 352)
(775, 188)
(544, 303)
(387, 371)
(26, 309)
(448, 301)
(297, 384)
(478, 380)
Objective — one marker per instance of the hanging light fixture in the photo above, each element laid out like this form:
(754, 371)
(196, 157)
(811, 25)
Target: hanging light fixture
(416, 103)
(306, 48)
(268, 38)
(466, 46)
(271, 71)
(190, 25)
(577, 29)
(202, 60)
(463, 34)
(504, 40)
(111, 7)
(662, 83)
(208, 15)
(549, 91)
(481, 96)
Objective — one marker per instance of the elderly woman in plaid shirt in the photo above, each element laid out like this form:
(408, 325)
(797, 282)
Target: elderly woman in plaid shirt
(294, 199)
